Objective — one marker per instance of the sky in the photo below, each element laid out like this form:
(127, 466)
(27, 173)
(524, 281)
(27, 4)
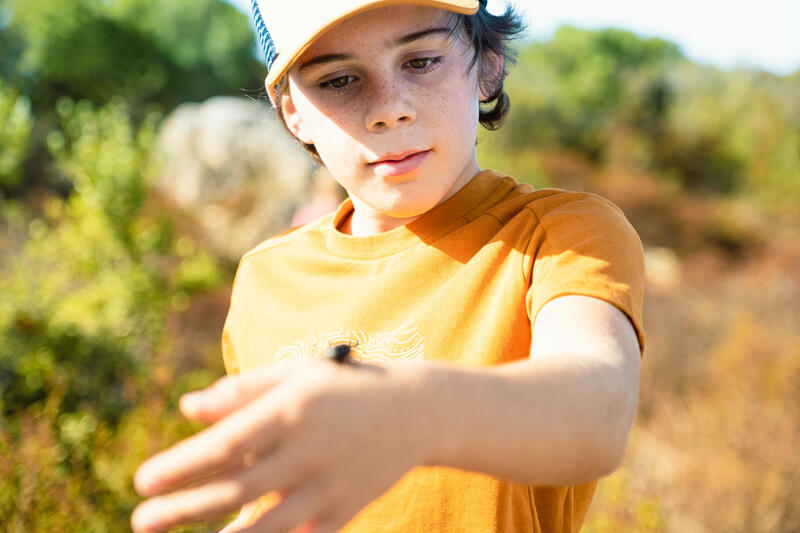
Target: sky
(761, 34)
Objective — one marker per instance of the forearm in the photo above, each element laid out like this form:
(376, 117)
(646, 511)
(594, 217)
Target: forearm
(554, 420)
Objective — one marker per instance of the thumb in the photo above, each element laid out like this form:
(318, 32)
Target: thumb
(232, 392)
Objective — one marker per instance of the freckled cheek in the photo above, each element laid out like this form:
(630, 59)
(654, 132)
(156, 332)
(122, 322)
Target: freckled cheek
(338, 150)
(458, 114)
(327, 126)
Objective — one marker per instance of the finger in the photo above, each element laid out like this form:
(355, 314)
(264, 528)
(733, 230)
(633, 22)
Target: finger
(235, 526)
(215, 498)
(228, 444)
(232, 392)
(184, 507)
(298, 510)
(241, 520)
(334, 520)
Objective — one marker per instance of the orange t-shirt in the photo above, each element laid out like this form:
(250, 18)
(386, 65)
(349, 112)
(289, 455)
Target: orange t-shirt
(462, 283)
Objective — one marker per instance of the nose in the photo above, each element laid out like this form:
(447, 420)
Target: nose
(388, 106)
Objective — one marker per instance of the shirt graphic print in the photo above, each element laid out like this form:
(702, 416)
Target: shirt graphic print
(401, 344)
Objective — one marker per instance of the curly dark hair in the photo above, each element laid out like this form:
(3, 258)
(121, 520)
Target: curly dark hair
(492, 33)
(487, 33)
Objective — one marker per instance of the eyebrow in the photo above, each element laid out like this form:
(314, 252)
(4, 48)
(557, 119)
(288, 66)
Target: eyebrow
(417, 35)
(321, 60)
(406, 39)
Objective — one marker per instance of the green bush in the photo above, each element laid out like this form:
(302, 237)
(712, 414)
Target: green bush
(83, 302)
(87, 287)
(144, 52)
(141, 50)
(567, 91)
(15, 131)
(617, 99)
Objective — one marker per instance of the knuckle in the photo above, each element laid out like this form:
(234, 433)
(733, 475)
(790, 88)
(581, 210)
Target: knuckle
(298, 412)
(232, 493)
(230, 450)
(307, 403)
(286, 416)
(313, 403)
(311, 465)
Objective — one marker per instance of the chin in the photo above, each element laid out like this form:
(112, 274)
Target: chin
(407, 210)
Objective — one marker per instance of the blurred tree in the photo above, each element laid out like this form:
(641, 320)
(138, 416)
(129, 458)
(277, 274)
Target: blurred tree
(15, 130)
(144, 51)
(83, 306)
(149, 53)
(733, 132)
(10, 43)
(613, 98)
(567, 91)
(210, 43)
(87, 286)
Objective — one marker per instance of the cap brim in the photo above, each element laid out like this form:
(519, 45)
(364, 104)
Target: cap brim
(293, 50)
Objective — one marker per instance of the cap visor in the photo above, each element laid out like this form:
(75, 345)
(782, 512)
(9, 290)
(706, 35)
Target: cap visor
(293, 50)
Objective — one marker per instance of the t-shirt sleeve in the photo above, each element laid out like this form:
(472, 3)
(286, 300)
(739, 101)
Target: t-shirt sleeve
(229, 356)
(584, 245)
(228, 353)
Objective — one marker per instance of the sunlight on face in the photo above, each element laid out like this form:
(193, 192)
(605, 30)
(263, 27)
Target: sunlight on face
(391, 104)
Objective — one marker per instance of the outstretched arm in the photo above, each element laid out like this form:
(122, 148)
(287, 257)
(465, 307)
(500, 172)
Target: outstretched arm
(560, 417)
(332, 438)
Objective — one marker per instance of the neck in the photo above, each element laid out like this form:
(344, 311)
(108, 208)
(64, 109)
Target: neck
(365, 220)
(361, 226)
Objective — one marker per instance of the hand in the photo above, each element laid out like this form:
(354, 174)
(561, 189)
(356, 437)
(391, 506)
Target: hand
(329, 438)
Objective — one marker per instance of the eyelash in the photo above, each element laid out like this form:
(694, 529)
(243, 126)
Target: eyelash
(430, 64)
(330, 84)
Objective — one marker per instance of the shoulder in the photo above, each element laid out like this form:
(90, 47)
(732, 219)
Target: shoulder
(574, 207)
(575, 217)
(549, 206)
(582, 244)
(288, 238)
(580, 224)
(521, 207)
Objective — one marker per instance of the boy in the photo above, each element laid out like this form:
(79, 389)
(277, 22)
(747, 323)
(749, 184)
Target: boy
(492, 328)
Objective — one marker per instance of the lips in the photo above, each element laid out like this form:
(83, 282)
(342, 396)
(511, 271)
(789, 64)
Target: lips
(399, 164)
(397, 157)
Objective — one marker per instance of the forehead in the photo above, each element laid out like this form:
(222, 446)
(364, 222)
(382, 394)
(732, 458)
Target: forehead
(378, 27)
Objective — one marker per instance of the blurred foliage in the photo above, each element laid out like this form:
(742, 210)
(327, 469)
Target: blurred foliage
(16, 124)
(140, 50)
(622, 101)
(718, 451)
(109, 306)
(623, 508)
(87, 288)
(82, 306)
(148, 54)
(568, 91)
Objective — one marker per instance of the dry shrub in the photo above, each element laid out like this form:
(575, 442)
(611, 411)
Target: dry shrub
(715, 445)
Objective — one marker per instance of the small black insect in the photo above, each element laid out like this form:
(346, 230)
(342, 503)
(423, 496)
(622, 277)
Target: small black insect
(339, 353)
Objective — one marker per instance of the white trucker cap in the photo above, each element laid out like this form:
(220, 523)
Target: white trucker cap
(286, 28)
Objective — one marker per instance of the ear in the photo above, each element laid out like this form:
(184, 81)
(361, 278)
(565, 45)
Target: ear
(490, 74)
(292, 119)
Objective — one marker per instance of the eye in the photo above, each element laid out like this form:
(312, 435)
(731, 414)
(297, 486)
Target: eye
(337, 83)
(423, 64)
